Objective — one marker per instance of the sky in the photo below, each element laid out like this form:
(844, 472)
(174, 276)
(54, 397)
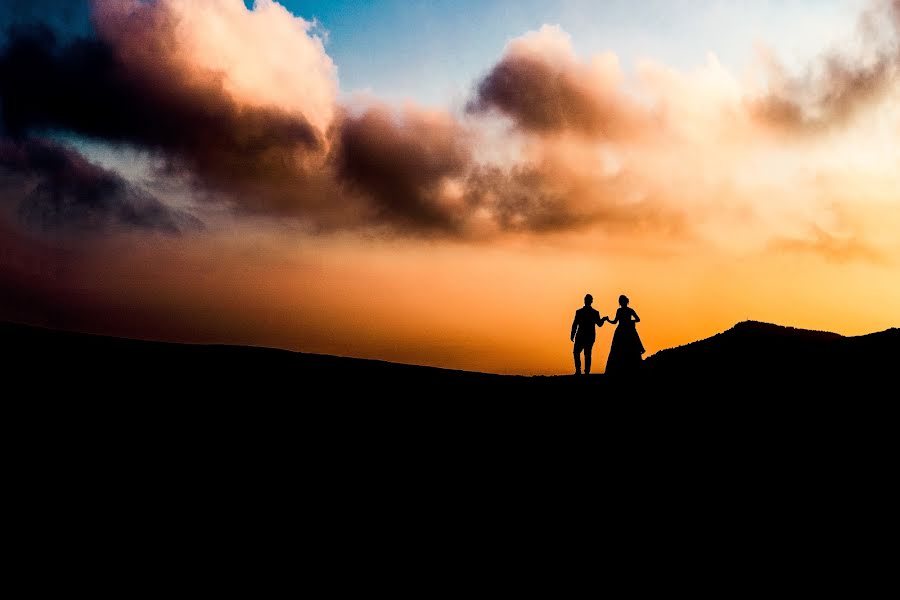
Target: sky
(440, 183)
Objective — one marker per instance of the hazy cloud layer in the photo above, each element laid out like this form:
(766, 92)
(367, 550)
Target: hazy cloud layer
(55, 188)
(834, 248)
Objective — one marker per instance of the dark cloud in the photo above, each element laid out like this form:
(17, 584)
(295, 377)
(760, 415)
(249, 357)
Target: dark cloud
(83, 88)
(418, 173)
(837, 86)
(538, 97)
(56, 188)
(544, 93)
(400, 163)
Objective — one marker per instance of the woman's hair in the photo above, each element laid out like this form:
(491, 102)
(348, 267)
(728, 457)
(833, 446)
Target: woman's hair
(623, 299)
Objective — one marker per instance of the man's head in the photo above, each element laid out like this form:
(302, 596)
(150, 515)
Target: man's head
(588, 299)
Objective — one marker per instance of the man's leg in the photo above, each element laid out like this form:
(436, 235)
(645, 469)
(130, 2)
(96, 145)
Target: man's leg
(587, 358)
(576, 350)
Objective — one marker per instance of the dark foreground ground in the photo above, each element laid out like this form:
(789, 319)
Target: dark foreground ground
(722, 464)
(764, 384)
(752, 379)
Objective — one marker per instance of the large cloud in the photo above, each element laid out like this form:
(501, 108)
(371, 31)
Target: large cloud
(262, 58)
(85, 87)
(242, 103)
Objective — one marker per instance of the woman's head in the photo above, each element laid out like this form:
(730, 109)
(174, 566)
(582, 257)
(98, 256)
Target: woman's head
(623, 300)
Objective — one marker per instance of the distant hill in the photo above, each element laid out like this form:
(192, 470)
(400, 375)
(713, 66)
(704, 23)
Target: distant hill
(763, 355)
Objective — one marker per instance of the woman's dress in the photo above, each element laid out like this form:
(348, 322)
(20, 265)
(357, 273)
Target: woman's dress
(626, 349)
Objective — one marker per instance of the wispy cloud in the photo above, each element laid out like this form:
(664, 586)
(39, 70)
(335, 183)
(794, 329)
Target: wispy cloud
(832, 247)
(839, 84)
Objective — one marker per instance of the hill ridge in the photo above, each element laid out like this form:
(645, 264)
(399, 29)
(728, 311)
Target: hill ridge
(118, 339)
(751, 353)
(754, 326)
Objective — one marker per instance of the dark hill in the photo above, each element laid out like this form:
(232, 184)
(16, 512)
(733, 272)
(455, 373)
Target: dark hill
(101, 365)
(758, 355)
(751, 356)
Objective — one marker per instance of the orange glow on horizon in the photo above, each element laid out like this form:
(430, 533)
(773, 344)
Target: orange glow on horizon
(500, 309)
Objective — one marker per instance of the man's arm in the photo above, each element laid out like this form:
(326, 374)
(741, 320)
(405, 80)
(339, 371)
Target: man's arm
(574, 328)
(599, 320)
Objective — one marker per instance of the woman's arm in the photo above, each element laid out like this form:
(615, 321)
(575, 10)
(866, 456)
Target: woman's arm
(614, 321)
(637, 319)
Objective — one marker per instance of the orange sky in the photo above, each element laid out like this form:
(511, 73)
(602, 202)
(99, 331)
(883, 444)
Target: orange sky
(467, 237)
(502, 308)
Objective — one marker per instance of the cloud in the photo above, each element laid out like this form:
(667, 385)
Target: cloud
(55, 188)
(153, 80)
(836, 87)
(401, 163)
(552, 194)
(243, 105)
(543, 87)
(831, 247)
(237, 101)
(418, 172)
(524, 198)
(264, 58)
(85, 88)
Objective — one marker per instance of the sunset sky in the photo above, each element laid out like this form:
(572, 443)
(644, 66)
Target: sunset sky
(440, 183)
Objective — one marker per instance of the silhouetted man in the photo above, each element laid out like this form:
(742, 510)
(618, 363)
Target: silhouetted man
(584, 334)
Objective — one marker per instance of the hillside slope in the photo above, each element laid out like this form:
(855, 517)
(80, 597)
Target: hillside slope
(762, 354)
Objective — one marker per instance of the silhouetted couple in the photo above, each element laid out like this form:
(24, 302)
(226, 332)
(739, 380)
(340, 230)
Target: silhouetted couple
(626, 350)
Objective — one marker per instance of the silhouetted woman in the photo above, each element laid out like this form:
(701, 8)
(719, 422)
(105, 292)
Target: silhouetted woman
(626, 350)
